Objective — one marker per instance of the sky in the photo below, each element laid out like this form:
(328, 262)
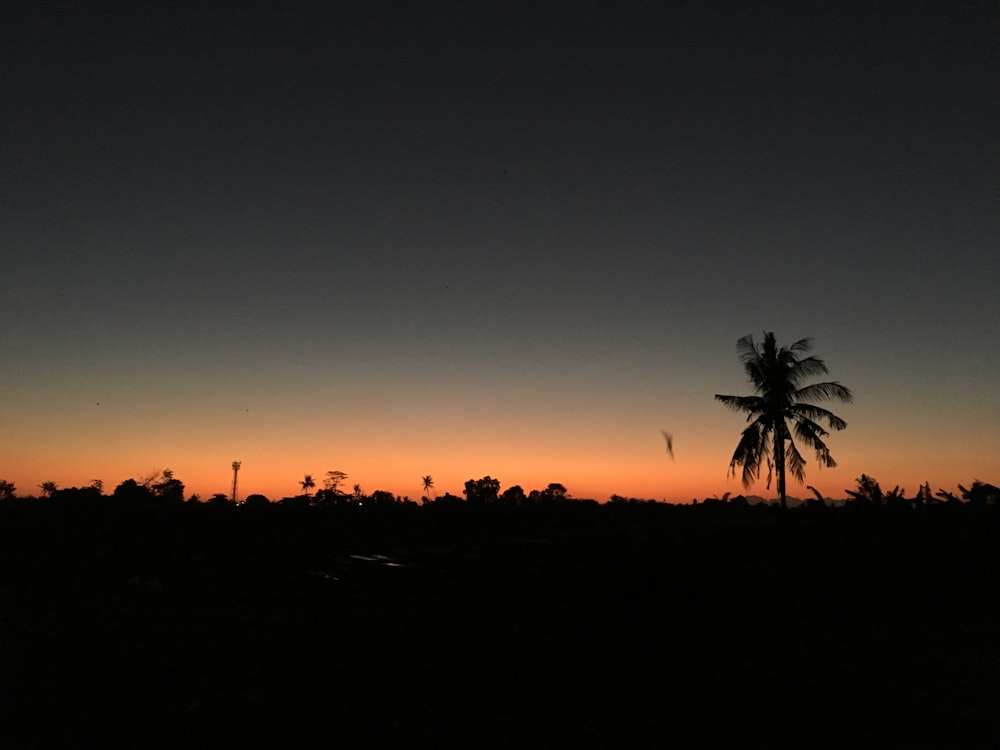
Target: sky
(515, 239)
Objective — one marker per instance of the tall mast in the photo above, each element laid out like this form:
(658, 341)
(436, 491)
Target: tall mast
(236, 471)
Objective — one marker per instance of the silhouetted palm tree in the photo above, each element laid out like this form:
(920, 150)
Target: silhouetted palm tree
(779, 399)
(307, 483)
(869, 492)
(817, 493)
(981, 493)
(428, 485)
(48, 488)
(7, 490)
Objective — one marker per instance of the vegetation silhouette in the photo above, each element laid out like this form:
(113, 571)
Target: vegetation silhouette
(307, 484)
(485, 490)
(981, 493)
(629, 623)
(869, 492)
(333, 480)
(780, 398)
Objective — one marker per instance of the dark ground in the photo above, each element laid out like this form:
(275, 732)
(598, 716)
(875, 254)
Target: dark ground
(598, 626)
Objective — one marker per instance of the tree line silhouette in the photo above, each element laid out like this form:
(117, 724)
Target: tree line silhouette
(145, 613)
(164, 489)
(148, 614)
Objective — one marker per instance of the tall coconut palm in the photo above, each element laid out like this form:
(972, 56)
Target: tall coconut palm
(428, 485)
(780, 399)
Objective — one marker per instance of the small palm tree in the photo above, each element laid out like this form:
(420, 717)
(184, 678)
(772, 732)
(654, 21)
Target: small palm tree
(428, 485)
(819, 495)
(780, 398)
(7, 490)
(48, 488)
(869, 492)
(307, 483)
(980, 493)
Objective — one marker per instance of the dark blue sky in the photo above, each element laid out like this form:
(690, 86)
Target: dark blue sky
(403, 219)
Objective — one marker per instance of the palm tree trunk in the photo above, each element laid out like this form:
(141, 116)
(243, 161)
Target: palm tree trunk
(779, 462)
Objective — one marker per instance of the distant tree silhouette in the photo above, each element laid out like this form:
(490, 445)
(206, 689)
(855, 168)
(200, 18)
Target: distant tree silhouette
(779, 399)
(168, 487)
(48, 488)
(307, 483)
(870, 493)
(485, 490)
(924, 495)
(132, 492)
(7, 490)
(149, 480)
(513, 495)
(428, 485)
(949, 497)
(77, 497)
(382, 498)
(256, 501)
(333, 480)
(895, 496)
(555, 492)
(331, 494)
(980, 493)
(447, 499)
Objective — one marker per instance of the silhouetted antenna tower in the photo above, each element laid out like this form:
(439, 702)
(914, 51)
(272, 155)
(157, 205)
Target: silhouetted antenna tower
(236, 471)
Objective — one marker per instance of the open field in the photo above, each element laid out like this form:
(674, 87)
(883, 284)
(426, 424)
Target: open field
(585, 625)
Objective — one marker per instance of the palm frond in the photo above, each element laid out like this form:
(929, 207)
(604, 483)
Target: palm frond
(808, 431)
(751, 404)
(749, 452)
(756, 374)
(816, 413)
(800, 369)
(824, 392)
(796, 464)
(746, 349)
(812, 435)
(802, 345)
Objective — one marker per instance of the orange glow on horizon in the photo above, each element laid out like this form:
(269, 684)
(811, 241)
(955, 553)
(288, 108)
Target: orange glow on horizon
(614, 448)
(278, 476)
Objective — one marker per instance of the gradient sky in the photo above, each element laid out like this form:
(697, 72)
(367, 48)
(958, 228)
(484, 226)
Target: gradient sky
(470, 238)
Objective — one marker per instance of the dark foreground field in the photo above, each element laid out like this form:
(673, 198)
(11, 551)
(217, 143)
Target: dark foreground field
(631, 626)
